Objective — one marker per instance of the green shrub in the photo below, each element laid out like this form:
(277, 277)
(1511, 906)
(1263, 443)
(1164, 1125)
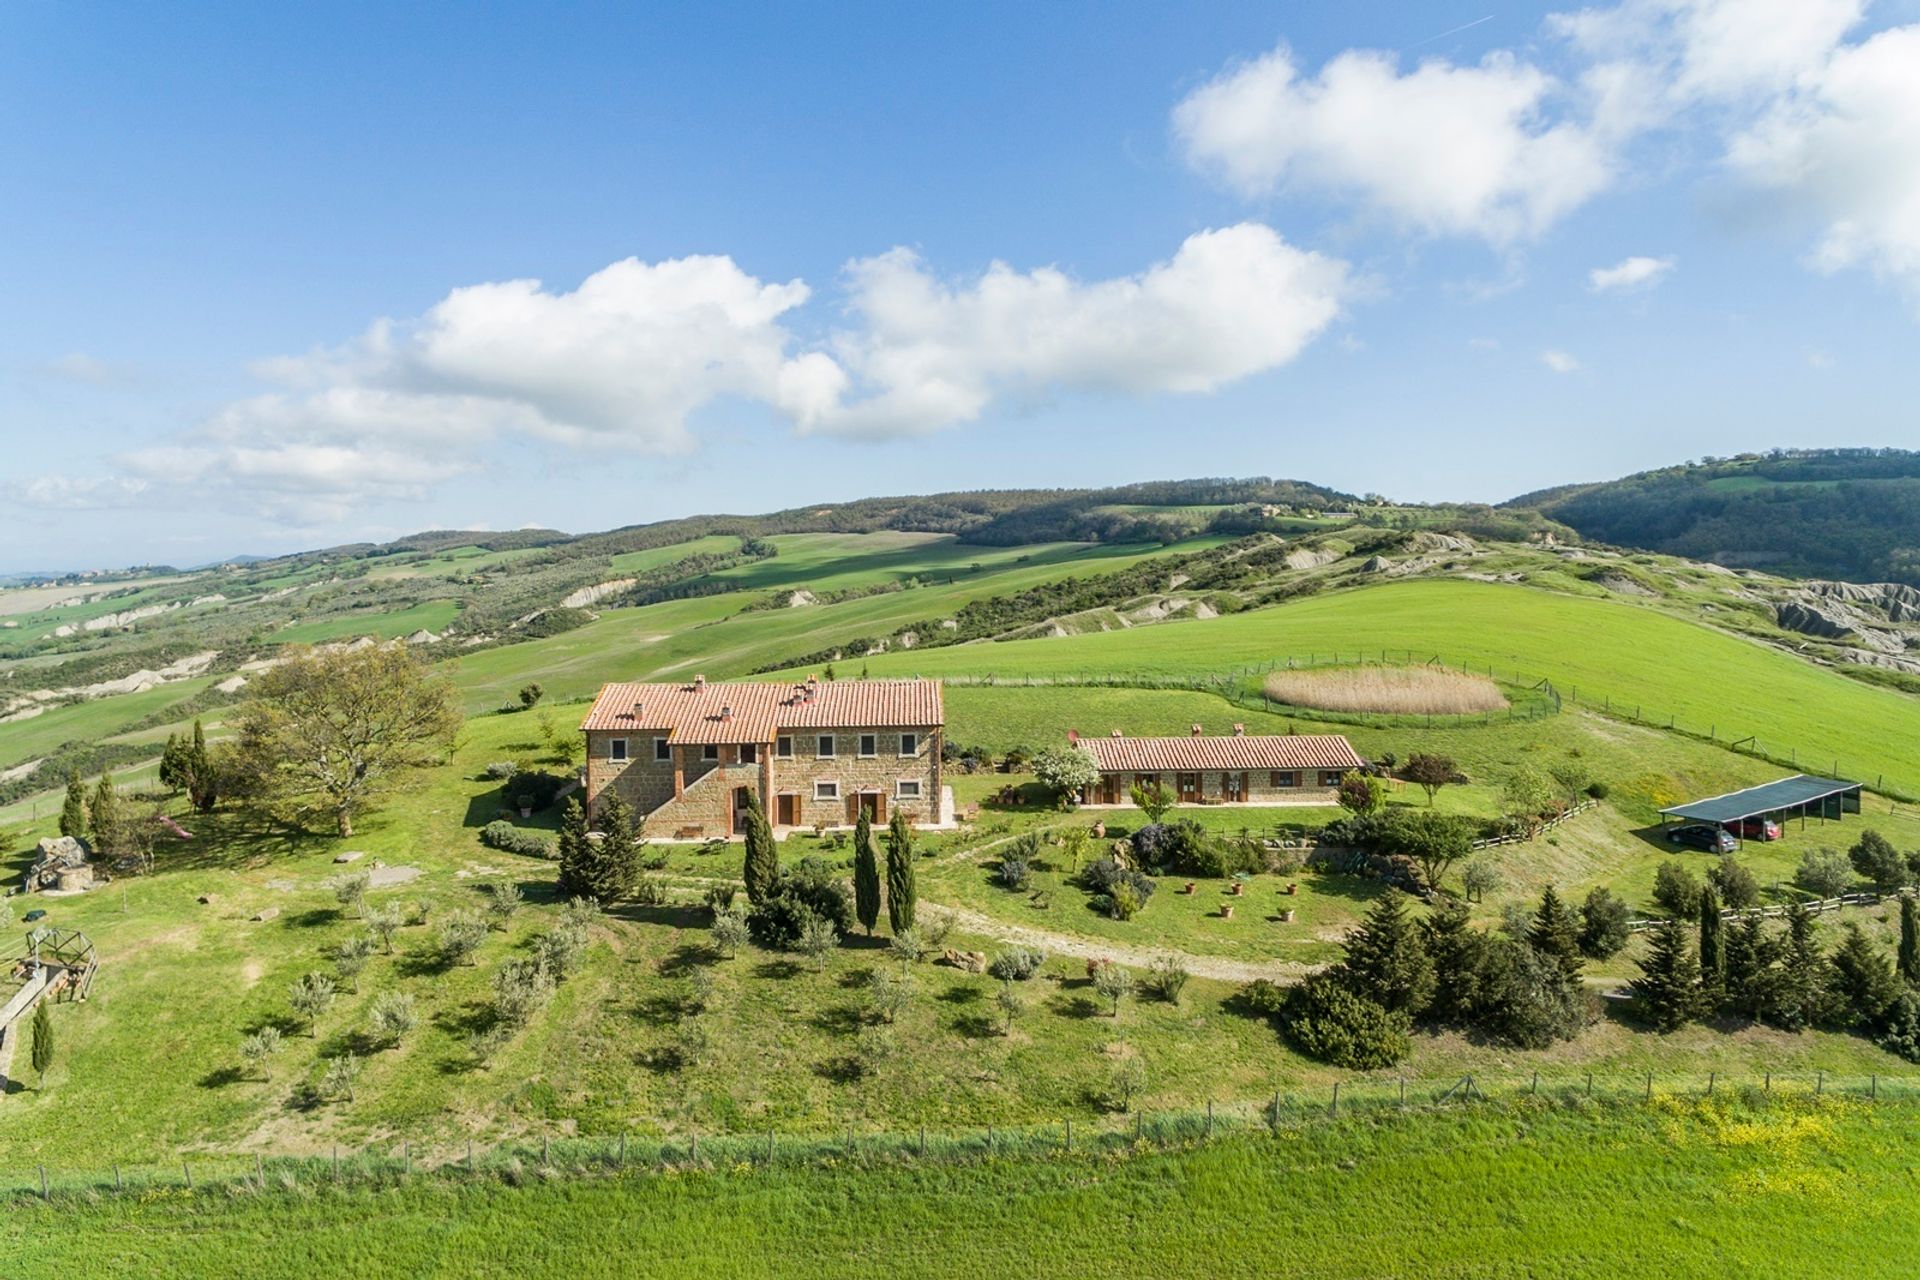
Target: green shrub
(504, 836)
(1326, 1021)
(1677, 890)
(1016, 964)
(799, 896)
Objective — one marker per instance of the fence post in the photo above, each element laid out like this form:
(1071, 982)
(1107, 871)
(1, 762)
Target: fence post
(1403, 1091)
(43, 1182)
(1873, 1087)
(1139, 1126)
(1069, 1143)
(546, 1150)
(1273, 1121)
(623, 1151)
(189, 1174)
(116, 1177)
(1589, 1084)
(1819, 1083)
(1649, 1086)
(693, 1148)
(406, 1153)
(923, 1141)
(1209, 1117)
(1710, 1079)
(1335, 1108)
(1769, 1082)
(259, 1169)
(470, 1155)
(336, 1162)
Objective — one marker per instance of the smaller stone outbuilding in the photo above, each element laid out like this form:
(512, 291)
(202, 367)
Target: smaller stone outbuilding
(1268, 769)
(62, 863)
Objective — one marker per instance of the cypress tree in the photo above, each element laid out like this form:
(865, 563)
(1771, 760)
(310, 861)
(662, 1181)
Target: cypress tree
(73, 813)
(1459, 954)
(1908, 960)
(762, 868)
(616, 857)
(901, 893)
(173, 767)
(866, 874)
(1387, 959)
(201, 789)
(104, 815)
(1556, 934)
(1668, 988)
(575, 852)
(1713, 950)
(42, 1029)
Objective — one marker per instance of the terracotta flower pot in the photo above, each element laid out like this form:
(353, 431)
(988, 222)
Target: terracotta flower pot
(1226, 911)
(1239, 888)
(1292, 889)
(1189, 888)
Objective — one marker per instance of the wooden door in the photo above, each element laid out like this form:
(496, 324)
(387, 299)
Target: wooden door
(1188, 785)
(786, 809)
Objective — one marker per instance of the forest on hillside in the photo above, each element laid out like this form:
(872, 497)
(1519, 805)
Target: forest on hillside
(1852, 514)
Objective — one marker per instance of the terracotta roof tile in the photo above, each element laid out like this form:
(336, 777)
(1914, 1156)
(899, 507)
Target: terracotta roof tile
(755, 711)
(1275, 751)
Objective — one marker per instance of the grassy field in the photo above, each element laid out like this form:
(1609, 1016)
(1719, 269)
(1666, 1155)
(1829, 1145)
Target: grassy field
(430, 615)
(1632, 657)
(1672, 1189)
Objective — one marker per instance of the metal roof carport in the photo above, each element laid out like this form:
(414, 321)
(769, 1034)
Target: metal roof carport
(1801, 794)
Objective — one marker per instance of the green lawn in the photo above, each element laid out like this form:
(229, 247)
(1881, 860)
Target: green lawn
(1511, 1190)
(632, 562)
(23, 740)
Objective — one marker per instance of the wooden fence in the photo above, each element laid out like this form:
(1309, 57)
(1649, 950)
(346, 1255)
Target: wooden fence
(1817, 907)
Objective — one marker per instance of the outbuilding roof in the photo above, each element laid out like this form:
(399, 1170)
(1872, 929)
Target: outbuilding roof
(1768, 797)
(1236, 751)
(700, 711)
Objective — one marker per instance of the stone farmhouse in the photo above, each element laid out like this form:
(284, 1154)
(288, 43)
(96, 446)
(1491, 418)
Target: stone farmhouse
(1201, 769)
(688, 756)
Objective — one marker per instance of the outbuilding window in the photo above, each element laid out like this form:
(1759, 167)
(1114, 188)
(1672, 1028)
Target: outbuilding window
(826, 791)
(662, 749)
(907, 788)
(869, 744)
(826, 747)
(616, 749)
(909, 744)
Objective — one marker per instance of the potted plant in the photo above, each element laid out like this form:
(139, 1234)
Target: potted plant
(1292, 888)
(525, 804)
(1226, 911)
(1190, 887)
(1239, 888)
(1286, 917)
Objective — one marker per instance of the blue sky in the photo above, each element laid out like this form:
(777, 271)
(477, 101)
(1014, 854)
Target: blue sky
(258, 263)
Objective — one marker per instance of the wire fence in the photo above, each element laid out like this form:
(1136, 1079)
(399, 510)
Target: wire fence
(1118, 1130)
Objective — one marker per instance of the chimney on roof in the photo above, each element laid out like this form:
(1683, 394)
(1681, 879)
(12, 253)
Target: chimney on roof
(726, 714)
(699, 682)
(1197, 731)
(1239, 731)
(636, 710)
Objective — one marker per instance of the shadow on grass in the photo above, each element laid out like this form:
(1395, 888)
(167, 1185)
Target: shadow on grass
(1076, 1006)
(685, 958)
(975, 1026)
(855, 978)
(840, 1019)
(673, 915)
(777, 969)
(662, 1010)
(221, 1077)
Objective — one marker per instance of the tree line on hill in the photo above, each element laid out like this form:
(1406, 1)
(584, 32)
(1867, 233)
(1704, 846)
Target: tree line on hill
(1829, 513)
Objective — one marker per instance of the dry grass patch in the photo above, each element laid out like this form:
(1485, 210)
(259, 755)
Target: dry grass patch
(1419, 691)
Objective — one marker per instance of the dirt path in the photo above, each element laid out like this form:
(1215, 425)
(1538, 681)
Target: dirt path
(1069, 944)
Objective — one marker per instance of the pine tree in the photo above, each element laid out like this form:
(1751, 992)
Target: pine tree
(1387, 959)
(104, 814)
(1668, 989)
(1907, 962)
(1801, 995)
(1751, 972)
(901, 893)
(1556, 933)
(866, 874)
(1863, 981)
(1458, 952)
(41, 1054)
(1713, 951)
(73, 814)
(762, 869)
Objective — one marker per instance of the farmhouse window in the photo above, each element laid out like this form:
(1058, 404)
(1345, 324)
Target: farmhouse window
(907, 788)
(869, 744)
(1329, 777)
(749, 753)
(783, 748)
(662, 750)
(616, 748)
(1283, 778)
(711, 751)
(826, 791)
(909, 744)
(826, 747)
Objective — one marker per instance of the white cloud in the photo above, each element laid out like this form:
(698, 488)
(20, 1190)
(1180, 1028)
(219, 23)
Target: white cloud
(928, 354)
(1487, 150)
(1629, 273)
(1844, 147)
(92, 371)
(629, 358)
(75, 493)
(1559, 361)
